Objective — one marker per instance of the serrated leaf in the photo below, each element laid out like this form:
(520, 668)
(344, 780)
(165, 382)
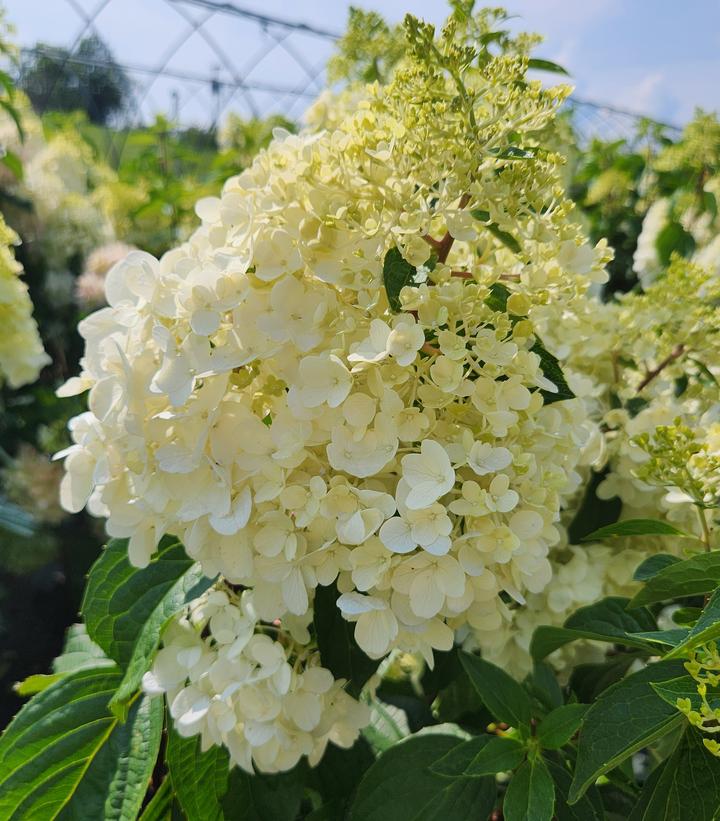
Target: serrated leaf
(502, 695)
(607, 620)
(336, 641)
(126, 608)
(691, 577)
(199, 779)
(653, 565)
(79, 652)
(588, 681)
(481, 755)
(66, 756)
(550, 367)
(705, 629)
(687, 786)
(626, 717)
(530, 794)
(397, 273)
(546, 65)
(636, 527)
(559, 726)
(400, 784)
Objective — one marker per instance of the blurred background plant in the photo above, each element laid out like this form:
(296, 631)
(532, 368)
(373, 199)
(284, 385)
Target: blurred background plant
(80, 189)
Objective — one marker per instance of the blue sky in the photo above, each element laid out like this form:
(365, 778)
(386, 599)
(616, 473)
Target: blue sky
(655, 57)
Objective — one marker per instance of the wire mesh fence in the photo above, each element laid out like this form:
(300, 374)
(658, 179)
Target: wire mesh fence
(212, 57)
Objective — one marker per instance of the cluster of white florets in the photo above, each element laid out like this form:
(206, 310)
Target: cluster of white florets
(21, 351)
(268, 395)
(255, 688)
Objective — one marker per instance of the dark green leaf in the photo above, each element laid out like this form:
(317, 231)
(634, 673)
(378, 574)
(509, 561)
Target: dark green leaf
(546, 65)
(587, 681)
(397, 273)
(336, 641)
(670, 638)
(588, 808)
(688, 786)
(627, 717)
(79, 652)
(339, 772)
(400, 785)
(497, 300)
(507, 239)
(66, 756)
(550, 366)
(199, 780)
(686, 687)
(126, 608)
(263, 797)
(114, 785)
(593, 512)
(530, 794)
(691, 577)
(543, 685)
(608, 620)
(653, 565)
(502, 695)
(481, 755)
(636, 527)
(512, 152)
(160, 806)
(707, 628)
(558, 727)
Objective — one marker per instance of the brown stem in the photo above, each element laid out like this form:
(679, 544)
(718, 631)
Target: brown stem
(442, 247)
(430, 349)
(461, 274)
(671, 357)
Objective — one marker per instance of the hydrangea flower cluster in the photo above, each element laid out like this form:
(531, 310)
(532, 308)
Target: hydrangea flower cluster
(257, 689)
(339, 380)
(21, 351)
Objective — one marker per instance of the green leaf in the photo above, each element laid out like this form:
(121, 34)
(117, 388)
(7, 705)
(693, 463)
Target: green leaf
(530, 794)
(35, 684)
(587, 681)
(607, 620)
(546, 65)
(588, 808)
(558, 727)
(66, 756)
(481, 755)
(687, 786)
(670, 638)
(626, 717)
(263, 797)
(707, 628)
(336, 641)
(550, 366)
(199, 780)
(11, 160)
(397, 273)
(687, 688)
(636, 527)
(502, 695)
(79, 652)
(543, 685)
(400, 785)
(593, 512)
(498, 297)
(673, 238)
(507, 239)
(653, 565)
(339, 772)
(126, 608)
(115, 783)
(691, 577)
(160, 805)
